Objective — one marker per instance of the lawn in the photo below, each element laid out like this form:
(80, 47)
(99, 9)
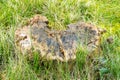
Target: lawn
(102, 13)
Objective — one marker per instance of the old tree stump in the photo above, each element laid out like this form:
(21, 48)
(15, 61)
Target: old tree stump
(58, 45)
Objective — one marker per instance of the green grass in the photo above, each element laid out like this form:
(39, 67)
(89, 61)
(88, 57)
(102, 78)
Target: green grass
(102, 13)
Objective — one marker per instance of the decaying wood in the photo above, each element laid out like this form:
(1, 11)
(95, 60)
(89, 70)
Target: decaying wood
(54, 44)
